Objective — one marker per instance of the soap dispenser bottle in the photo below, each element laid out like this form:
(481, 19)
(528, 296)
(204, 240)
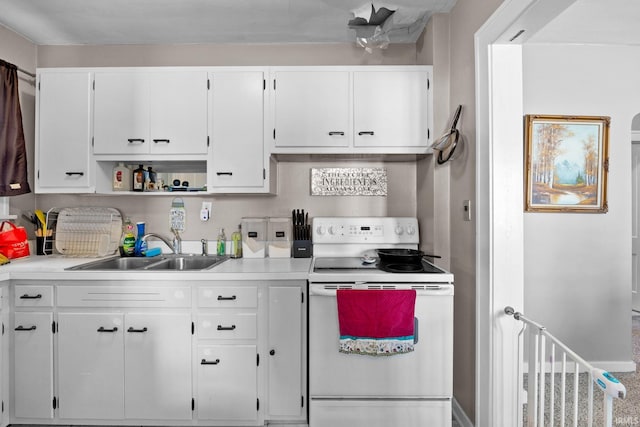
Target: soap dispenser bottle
(236, 243)
(221, 248)
(128, 244)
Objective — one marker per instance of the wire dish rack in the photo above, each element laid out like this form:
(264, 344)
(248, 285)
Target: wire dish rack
(88, 231)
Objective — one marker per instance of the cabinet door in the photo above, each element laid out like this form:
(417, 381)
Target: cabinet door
(64, 130)
(312, 109)
(227, 382)
(285, 351)
(158, 366)
(4, 356)
(91, 365)
(237, 129)
(178, 112)
(33, 365)
(390, 108)
(121, 113)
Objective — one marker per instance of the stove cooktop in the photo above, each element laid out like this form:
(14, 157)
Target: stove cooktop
(349, 265)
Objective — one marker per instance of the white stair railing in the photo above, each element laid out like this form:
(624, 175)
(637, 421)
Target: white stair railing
(542, 408)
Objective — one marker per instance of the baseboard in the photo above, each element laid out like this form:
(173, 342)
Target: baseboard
(459, 414)
(609, 366)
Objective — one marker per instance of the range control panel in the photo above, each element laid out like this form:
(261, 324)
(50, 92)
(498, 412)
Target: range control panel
(354, 230)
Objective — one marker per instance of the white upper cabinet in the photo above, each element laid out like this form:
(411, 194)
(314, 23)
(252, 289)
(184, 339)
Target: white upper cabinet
(63, 132)
(150, 112)
(311, 108)
(391, 108)
(351, 110)
(236, 123)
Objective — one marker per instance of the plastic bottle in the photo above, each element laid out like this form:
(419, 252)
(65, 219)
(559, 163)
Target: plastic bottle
(128, 243)
(153, 177)
(121, 178)
(236, 243)
(138, 179)
(141, 246)
(221, 248)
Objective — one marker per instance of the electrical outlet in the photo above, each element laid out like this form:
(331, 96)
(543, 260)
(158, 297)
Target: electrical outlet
(466, 205)
(205, 211)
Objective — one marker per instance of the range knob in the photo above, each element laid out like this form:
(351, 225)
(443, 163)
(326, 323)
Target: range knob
(332, 230)
(399, 230)
(411, 230)
(320, 230)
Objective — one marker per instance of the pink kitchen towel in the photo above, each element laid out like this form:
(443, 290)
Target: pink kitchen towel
(376, 322)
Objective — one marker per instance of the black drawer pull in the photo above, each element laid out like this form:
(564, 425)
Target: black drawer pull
(368, 132)
(333, 133)
(207, 362)
(134, 140)
(27, 296)
(103, 329)
(22, 328)
(132, 329)
(224, 173)
(231, 298)
(272, 352)
(166, 141)
(226, 328)
(74, 173)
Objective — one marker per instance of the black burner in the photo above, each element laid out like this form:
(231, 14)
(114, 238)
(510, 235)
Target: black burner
(409, 267)
(400, 268)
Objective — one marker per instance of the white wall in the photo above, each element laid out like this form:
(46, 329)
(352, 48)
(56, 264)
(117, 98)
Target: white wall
(578, 266)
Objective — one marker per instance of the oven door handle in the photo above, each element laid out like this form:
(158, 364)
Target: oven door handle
(416, 330)
(323, 291)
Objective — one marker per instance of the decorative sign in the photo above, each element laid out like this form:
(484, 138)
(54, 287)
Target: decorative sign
(348, 182)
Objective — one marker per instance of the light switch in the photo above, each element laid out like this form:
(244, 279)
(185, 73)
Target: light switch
(466, 205)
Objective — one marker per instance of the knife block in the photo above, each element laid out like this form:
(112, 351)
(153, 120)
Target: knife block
(302, 249)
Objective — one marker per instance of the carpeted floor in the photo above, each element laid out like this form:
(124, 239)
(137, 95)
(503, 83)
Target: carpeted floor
(626, 412)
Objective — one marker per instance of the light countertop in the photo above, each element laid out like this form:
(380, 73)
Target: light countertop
(53, 268)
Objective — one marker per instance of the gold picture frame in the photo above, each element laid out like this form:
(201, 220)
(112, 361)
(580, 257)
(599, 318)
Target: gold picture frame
(566, 163)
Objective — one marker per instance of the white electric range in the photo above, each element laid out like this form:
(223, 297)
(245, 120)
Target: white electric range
(352, 390)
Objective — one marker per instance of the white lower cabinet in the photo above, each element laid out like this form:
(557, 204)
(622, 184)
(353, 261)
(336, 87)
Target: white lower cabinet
(157, 363)
(90, 365)
(222, 354)
(33, 365)
(227, 382)
(133, 366)
(286, 387)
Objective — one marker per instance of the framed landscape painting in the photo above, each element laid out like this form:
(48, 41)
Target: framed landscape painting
(566, 163)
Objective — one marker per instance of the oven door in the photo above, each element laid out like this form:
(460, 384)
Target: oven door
(424, 373)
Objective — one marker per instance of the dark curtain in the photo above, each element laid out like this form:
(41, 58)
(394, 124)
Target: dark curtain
(13, 154)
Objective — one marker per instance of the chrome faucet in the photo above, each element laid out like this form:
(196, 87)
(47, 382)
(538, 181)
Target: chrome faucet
(177, 241)
(163, 239)
(205, 251)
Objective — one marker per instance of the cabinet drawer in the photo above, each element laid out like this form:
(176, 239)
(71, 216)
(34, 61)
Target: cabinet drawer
(33, 296)
(230, 296)
(124, 296)
(232, 326)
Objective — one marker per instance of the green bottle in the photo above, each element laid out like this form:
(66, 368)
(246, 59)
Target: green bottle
(222, 243)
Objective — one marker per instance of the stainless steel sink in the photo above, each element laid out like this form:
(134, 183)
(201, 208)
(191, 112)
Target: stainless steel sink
(185, 263)
(163, 263)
